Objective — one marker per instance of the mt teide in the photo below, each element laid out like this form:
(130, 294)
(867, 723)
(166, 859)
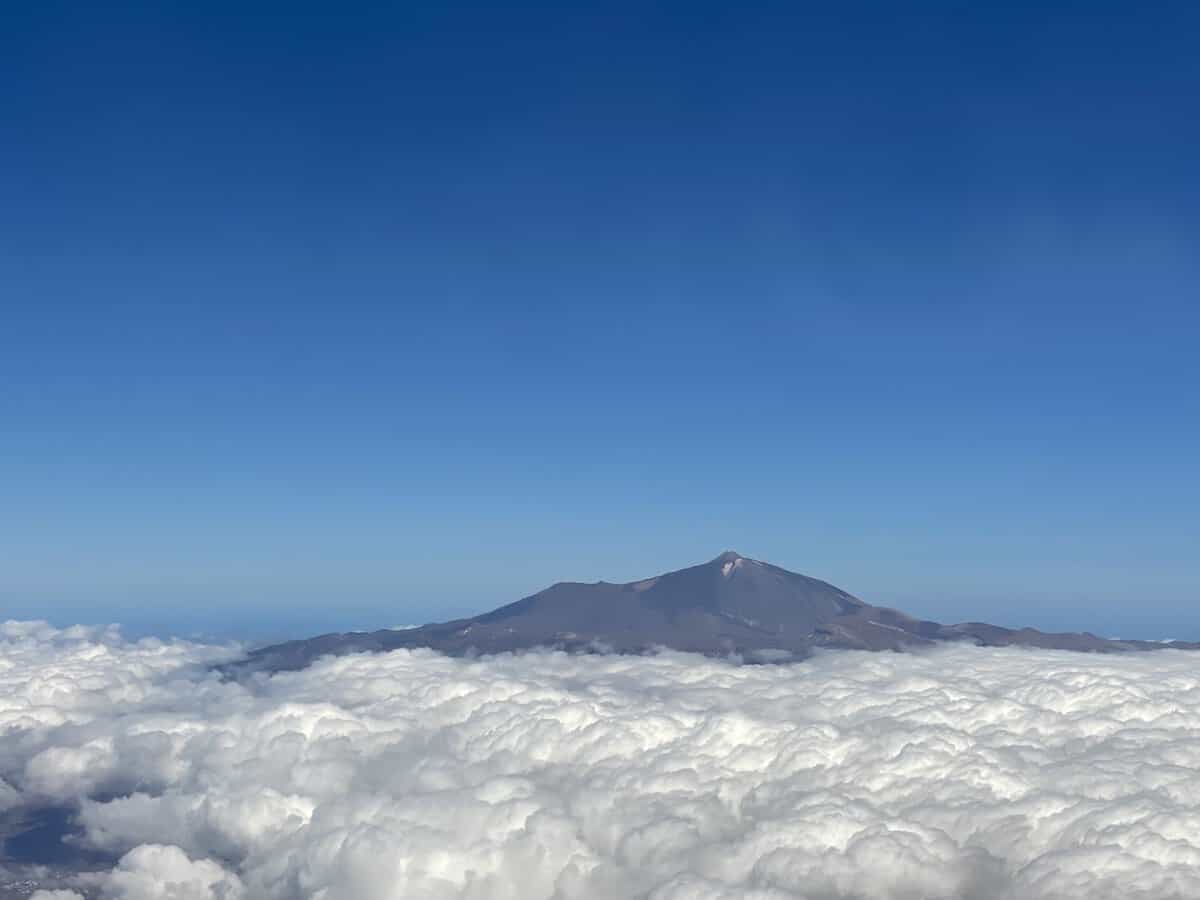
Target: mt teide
(731, 605)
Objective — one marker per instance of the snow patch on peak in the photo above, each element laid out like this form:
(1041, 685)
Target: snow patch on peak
(728, 568)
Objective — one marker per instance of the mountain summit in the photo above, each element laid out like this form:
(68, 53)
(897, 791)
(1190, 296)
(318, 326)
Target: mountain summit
(730, 605)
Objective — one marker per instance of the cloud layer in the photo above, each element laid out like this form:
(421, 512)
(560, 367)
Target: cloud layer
(959, 773)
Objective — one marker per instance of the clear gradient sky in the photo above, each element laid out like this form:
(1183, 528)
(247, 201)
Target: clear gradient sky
(325, 316)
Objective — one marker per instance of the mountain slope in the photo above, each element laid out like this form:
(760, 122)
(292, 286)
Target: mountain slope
(728, 605)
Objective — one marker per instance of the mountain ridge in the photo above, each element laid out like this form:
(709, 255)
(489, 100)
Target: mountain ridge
(731, 605)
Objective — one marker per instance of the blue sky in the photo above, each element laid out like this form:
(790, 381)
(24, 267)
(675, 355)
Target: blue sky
(321, 317)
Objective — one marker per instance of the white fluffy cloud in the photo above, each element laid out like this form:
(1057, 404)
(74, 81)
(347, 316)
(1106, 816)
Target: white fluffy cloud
(959, 773)
(157, 872)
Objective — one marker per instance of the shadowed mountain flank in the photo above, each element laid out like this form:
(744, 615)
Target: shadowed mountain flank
(731, 605)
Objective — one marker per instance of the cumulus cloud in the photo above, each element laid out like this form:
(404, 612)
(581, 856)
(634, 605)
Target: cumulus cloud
(992, 774)
(157, 872)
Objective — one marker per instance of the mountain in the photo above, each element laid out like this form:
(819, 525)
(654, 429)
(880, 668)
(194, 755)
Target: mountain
(729, 605)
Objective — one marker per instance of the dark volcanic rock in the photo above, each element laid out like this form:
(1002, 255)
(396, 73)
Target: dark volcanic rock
(729, 605)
